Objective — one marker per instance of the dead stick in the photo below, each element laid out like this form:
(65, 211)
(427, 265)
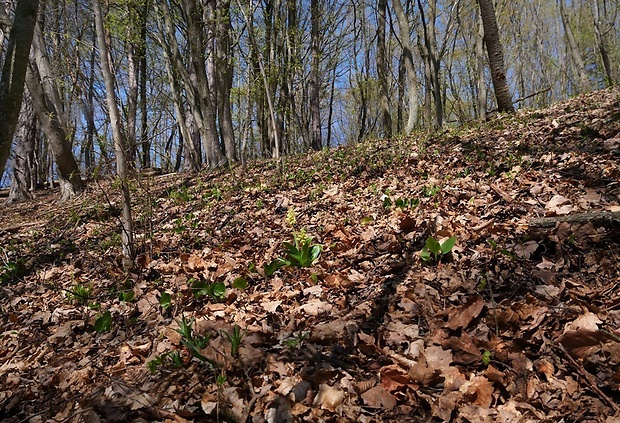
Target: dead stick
(594, 217)
(588, 377)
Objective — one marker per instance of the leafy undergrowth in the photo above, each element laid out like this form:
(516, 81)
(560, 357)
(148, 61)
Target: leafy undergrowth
(415, 285)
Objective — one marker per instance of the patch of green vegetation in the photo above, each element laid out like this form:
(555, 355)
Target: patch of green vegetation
(431, 190)
(180, 195)
(215, 290)
(234, 337)
(80, 294)
(111, 241)
(103, 322)
(193, 341)
(12, 270)
(434, 251)
(167, 359)
(299, 253)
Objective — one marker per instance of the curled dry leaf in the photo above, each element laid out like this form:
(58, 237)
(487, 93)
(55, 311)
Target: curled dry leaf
(328, 397)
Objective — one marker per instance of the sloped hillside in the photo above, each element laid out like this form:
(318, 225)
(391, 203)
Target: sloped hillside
(468, 276)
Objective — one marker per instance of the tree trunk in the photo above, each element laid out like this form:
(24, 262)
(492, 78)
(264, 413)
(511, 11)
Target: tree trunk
(203, 109)
(272, 114)
(144, 139)
(405, 39)
(68, 169)
(176, 72)
(601, 43)
(117, 132)
(25, 138)
(313, 84)
(88, 107)
(480, 82)
(584, 82)
(382, 73)
(496, 56)
(224, 68)
(133, 69)
(14, 73)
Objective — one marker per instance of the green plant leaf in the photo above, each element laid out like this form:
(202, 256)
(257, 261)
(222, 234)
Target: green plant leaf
(425, 255)
(199, 288)
(218, 290)
(126, 296)
(240, 283)
(433, 245)
(447, 245)
(272, 267)
(315, 251)
(165, 301)
(104, 322)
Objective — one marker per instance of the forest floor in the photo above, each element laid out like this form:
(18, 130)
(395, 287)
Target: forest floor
(218, 321)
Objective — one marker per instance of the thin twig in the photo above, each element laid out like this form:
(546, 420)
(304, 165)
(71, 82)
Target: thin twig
(589, 379)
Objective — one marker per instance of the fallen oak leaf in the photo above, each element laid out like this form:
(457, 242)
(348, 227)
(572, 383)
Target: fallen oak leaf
(378, 397)
(461, 317)
(579, 342)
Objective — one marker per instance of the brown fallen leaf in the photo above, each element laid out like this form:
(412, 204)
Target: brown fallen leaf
(329, 397)
(579, 342)
(463, 349)
(378, 397)
(461, 317)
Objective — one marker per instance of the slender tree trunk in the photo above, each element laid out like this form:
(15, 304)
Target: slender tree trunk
(120, 147)
(176, 73)
(405, 39)
(480, 82)
(14, 73)
(584, 82)
(382, 69)
(266, 84)
(23, 157)
(313, 85)
(133, 70)
(144, 139)
(225, 79)
(496, 56)
(601, 43)
(88, 107)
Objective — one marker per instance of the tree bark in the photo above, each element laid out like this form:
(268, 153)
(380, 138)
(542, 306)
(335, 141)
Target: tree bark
(382, 73)
(481, 86)
(224, 69)
(14, 73)
(405, 39)
(120, 147)
(584, 82)
(599, 32)
(313, 84)
(203, 109)
(68, 169)
(496, 56)
(24, 178)
(144, 139)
